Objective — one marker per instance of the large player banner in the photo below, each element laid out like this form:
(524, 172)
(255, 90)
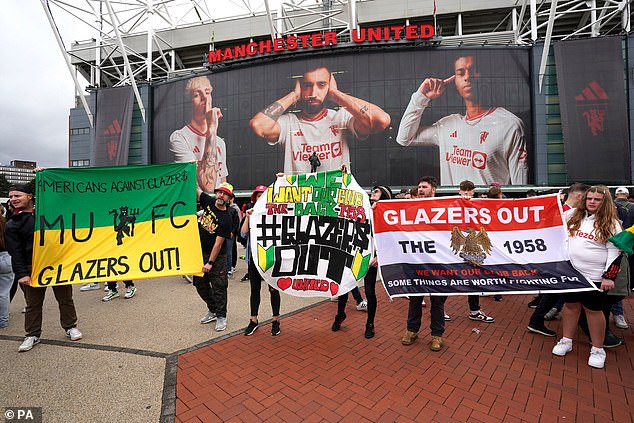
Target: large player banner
(310, 234)
(109, 224)
(453, 246)
(594, 109)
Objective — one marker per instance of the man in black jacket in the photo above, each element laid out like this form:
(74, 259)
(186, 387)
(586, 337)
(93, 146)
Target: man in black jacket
(18, 235)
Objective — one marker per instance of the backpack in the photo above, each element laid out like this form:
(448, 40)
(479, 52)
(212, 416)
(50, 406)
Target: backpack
(623, 212)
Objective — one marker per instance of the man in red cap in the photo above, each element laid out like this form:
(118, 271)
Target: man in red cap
(18, 234)
(214, 226)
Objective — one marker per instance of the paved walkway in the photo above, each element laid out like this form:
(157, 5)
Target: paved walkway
(308, 373)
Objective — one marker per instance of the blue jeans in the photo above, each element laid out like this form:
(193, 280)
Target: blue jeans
(6, 280)
(437, 314)
(617, 308)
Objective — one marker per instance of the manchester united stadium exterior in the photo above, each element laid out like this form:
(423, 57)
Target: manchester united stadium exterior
(553, 79)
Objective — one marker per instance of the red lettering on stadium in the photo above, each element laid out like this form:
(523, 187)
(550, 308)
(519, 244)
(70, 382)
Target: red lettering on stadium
(319, 39)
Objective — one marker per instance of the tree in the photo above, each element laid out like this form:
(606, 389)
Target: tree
(4, 186)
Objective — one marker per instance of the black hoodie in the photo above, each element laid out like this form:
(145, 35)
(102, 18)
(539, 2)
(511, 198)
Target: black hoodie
(18, 239)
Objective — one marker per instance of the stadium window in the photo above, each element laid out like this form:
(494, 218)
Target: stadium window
(80, 131)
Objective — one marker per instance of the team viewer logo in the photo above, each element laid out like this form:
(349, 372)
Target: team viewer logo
(474, 247)
(479, 160)
(311, 234)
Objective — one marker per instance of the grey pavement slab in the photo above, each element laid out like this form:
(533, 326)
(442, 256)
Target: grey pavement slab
(117, 371)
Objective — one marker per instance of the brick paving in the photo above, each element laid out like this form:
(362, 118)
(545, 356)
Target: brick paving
(310, 374)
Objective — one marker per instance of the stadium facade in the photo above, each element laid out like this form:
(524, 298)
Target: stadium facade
(380, 51)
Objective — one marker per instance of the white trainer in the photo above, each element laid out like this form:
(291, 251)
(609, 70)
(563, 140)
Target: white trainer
(208, 318)
(111, 295)
(362, 306)
(221, 324)
(619, 321)
(74, 334)
(89, 287)
(562, 348)
(28, 343)
(597, 358)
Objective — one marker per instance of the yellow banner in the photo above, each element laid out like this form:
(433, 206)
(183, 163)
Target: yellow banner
(134, 222)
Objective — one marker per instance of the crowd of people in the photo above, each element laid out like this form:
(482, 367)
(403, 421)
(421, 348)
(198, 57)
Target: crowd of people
(591, 217)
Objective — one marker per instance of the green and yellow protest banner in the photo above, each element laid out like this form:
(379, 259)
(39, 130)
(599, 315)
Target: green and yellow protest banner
(115, 223)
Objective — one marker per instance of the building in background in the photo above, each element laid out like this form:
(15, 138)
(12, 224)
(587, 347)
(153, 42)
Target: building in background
(19, 172)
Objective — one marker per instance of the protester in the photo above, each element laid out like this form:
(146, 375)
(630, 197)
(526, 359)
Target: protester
(626, 214)
(214, 226)
(6, 278)
(255, 278)
(113, 292)
(549, 305)
(589, 227)
(18, 233)
(378, 193)
(466, 190)
(426, 189)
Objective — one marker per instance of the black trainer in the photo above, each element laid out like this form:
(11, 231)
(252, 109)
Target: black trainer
(244, 278)
(533, 303)
(275, 328)
(611, 340)
(369, 330)
(542, 330)
(336, 325)
(250, 328)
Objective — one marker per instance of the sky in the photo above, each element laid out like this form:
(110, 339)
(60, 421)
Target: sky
(36, 88)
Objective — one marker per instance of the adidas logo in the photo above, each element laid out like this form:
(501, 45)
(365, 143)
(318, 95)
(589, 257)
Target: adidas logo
(593, 92)
(114, 128)
(454, 134)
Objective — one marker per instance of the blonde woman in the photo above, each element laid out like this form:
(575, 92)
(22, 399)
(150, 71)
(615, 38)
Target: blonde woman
(590, 225)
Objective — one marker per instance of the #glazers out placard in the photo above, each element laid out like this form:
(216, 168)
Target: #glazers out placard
(311, 234)
(115, 223)
(453, 246)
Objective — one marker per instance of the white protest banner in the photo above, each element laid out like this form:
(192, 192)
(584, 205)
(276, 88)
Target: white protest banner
(453, 246)
(311, 234)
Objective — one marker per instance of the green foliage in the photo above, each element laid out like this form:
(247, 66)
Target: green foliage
(4, 186)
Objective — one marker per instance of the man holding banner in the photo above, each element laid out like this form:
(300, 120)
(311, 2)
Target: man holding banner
(19, 232)
(214, 227)
(426, 189)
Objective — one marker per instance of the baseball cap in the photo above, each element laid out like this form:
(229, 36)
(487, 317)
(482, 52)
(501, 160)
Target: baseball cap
(259, 188)
(622, 190)
(22, 188)
(225, 187)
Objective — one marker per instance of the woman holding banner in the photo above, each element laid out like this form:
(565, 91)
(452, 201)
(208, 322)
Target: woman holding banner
(256, 279)
(589, 228)
(369, 281)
